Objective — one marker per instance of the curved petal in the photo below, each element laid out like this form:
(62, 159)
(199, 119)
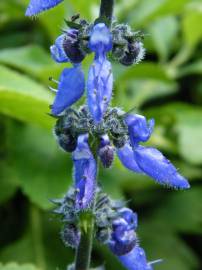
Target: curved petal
(37, 6)
(57, 51)
(139, 129)
(70, 88)
(123, 239)
(85, 170)
(135, 260)
(130, 217)
(153, 163)
(126, 156)
(99, 88)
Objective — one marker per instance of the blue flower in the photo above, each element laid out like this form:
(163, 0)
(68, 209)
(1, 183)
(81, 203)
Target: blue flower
(70, 88)
(124, 244)
(135, 260)
(85, 172)
(148, 160)
(139, 129)
(100, 78)
(57, 50)
(37, 6)
(123, 237)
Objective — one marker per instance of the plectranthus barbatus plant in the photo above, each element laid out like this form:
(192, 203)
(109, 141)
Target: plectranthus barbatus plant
(96, 131)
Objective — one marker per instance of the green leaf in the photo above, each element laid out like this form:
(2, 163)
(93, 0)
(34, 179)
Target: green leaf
(163, 34)
(32, 59)
(40, 244)
(42, 169)
(143, 70)
(15, 266)
(24, 99)
(191, 30)
(128, 93)
(187, 122)
(146, 11)
(159, 242)
(193, 68)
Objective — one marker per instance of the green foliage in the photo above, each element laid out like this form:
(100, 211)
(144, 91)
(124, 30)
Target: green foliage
(166, 86)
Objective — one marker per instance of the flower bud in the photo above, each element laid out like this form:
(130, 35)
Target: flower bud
(70, 235)
(134, 54)
(106, 152)
(72, 48)
(67, 142)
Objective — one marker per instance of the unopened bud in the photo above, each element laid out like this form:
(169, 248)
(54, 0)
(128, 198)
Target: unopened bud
(106, 152)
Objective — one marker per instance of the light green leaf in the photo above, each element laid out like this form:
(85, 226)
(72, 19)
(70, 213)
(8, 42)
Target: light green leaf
(147, 11)
(42, 169)
(143, 70)
(15, 266)
(191, 27)
(134, 93)
(163, 33)
(24, 99)
(186, 121)
(33, 60)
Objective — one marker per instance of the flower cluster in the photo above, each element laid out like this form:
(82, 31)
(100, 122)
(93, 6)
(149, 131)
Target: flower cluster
(96, 130)
(116, 227)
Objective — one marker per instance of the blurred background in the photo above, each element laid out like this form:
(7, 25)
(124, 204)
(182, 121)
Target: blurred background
(167, 85)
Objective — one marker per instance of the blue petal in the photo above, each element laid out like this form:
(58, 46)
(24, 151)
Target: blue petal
(139, 129)
(100, 39)
(135, 260)
(85, 170)
(130, 217)
(123, 238)
(153, 163)
(126, 156)
(99, 88)
(70, 88)
(57, 51)
(37, 6)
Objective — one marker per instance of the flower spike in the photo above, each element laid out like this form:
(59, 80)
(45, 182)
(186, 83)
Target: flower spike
(37, 6)
(70, 88)
(85, 170)
(100, 78)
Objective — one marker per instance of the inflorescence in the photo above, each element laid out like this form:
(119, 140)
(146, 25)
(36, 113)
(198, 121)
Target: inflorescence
(97, 131)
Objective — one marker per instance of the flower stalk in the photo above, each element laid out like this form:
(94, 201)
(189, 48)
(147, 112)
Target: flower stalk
(83, 253)
(106, 9)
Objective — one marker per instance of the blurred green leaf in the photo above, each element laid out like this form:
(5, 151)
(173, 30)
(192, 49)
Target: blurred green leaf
(24, 99)
(15, 266)
(188, 126)
(147, 11)
(32, 59)
(163, 34)
(36, 246)
(129, 95)
(164, 244)
(191, 30)
(41, 168)
(143, 70)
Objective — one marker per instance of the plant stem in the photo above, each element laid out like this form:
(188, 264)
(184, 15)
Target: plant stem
(106, 9)
(36, 228)
(83, 253)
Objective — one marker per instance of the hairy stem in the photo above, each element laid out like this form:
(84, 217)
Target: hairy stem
(83, 254)
(106, 9)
